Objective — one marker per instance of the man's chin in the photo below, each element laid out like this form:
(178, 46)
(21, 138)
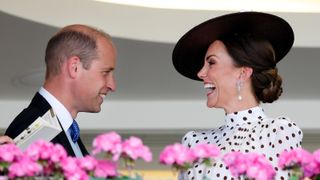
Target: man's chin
(96, 110)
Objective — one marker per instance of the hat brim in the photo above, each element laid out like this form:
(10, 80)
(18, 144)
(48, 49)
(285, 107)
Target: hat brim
(188, 54)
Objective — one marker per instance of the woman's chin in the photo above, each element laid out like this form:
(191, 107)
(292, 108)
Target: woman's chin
(210, 104)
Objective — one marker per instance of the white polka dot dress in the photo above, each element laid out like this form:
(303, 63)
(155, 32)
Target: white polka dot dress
(244, 131)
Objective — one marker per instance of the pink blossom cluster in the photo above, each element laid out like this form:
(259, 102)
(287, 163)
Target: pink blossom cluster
(134, 149)
(112, 145)
(83, 168)
(250, 165)
(9, 153)
(47, 159)
(32, 162)
(109, 143)
(24, 167)
(15, 163)
(182, 157)
(47, 154)
(302, 160)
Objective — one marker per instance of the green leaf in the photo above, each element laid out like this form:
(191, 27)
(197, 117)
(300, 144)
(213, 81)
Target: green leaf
(293, 177)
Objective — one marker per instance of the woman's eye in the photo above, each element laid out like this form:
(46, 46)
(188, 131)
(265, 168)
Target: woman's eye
(211, 62)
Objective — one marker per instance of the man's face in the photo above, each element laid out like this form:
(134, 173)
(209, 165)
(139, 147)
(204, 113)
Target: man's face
(97, 81)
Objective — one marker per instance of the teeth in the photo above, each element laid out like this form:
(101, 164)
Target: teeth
(209, 86)
(102, 95)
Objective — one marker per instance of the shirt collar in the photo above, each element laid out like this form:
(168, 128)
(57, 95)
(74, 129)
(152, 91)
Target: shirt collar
(63, 114)
(246, 116)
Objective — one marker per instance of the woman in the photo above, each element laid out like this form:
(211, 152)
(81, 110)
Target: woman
(236, 56)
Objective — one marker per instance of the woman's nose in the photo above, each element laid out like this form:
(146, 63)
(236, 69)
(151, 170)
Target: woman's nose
(202, 73)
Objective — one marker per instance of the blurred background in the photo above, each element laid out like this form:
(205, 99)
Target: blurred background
(152, 100)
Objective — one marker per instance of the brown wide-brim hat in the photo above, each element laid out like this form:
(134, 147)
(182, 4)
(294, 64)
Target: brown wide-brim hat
(189, 52)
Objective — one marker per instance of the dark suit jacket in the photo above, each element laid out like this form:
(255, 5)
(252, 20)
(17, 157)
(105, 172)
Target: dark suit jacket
(36, 108)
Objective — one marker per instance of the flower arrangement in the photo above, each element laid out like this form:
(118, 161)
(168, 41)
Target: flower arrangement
(181, 158)
(130, 150)
(44, 159)
(302, 163)
(249, 165)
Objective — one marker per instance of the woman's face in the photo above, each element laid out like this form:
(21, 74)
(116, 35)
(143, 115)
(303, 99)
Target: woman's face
(220, 77)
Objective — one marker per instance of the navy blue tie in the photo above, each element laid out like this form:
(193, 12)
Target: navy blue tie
(74, 131)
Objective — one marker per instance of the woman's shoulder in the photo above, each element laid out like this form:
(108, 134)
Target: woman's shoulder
(280, 122)
(282, 126)
(194, 137)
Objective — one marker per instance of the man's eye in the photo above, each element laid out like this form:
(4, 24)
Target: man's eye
(105, 72)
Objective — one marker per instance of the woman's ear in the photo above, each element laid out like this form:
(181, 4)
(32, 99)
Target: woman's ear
(245, 73)
(73, 64)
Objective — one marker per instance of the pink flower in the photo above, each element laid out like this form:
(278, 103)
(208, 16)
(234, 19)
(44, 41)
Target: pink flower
(109, 143)
(297, 156)
(25, 167)
(205, 151)
(43, 158)
(316, 155)
(134, 149)
(78, 174)
(69, 164)
(258, 167)
(176, 154)
(105, 168)
(43, 150)
(316, 162)
(308, 164)
(72, 170)
(58, 153)
(48, 155)
(251, 165)
(310, 169)
(236, 163)
(87, 163)
(9, 153)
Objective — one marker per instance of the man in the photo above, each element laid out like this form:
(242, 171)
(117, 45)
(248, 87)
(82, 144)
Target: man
(80, 61)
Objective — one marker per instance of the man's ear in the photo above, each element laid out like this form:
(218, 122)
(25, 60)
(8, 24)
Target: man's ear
(245, 73)
(73, 65)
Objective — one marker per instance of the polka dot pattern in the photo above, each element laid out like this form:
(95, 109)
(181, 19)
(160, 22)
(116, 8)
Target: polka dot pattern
(245, 131)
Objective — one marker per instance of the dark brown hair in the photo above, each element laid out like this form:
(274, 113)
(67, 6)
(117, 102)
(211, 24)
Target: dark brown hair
(258, 54)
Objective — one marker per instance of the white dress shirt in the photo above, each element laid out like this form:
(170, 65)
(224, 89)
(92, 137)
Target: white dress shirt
(64, 118)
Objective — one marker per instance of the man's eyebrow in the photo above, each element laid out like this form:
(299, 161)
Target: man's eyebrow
(108, 68)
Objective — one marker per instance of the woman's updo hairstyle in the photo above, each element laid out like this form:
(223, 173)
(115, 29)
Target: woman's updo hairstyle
(258, 54)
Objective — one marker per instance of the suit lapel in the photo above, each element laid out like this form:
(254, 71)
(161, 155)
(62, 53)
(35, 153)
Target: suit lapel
(40, 102)
(62, 139)
(82, 147)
